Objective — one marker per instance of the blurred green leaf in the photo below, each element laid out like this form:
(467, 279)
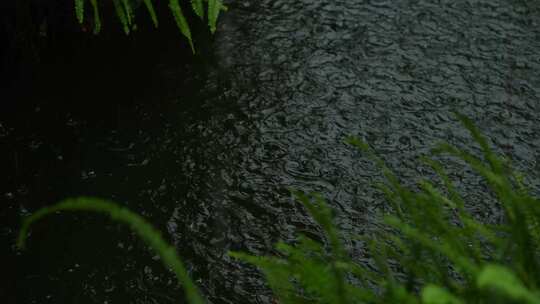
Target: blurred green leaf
(432, 294)
(502, 280)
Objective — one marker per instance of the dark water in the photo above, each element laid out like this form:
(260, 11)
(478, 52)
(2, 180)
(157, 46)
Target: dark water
(206, 149)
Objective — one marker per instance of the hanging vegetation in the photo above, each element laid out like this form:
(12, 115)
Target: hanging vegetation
(125, 12)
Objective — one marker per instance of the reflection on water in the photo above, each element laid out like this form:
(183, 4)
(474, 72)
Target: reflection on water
(207, 150)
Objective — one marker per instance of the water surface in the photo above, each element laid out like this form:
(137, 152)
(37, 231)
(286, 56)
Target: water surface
(206, 149)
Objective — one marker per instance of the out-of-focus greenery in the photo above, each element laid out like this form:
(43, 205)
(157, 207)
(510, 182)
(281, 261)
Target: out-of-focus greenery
(138, 224)
(125, 11)
(431, 251)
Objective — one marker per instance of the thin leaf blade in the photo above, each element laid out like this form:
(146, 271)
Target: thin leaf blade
(198, 8)
(97, 19)
(79, 10)
(137, 223)
(214, 8)
(151, 11)
(181, 21)
(121, 15)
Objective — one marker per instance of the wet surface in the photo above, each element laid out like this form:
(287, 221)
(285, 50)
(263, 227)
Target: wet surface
(206, 150)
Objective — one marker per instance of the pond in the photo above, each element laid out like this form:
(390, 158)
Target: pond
(207, 147)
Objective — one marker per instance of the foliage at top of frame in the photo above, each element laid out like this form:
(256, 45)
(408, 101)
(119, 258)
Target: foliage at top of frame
(125, 13)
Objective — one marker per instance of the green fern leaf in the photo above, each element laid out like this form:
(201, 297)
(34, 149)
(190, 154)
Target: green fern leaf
(214, 7)
(504, 281)
(198, 7)
(138, 224)
(128, 11)
(97, 20)
(432, 294)
(79, 10)
(151, 11)
(121, 15)
(181, 21)
(427, 242)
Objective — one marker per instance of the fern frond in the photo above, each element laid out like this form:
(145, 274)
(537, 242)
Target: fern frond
(433, 294)
(79, 10)
(277, 272)
(443, 248)
(181, 21)
(97, 20)
(128, 11)
(198, 7)
(151, 11)
(495, 162)
(504, 281)
(121, 15)
(138, 224)
(214, 8)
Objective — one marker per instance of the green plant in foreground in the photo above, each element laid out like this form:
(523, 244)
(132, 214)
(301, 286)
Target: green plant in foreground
(125, 12)
(433, 251)
(139, 225)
